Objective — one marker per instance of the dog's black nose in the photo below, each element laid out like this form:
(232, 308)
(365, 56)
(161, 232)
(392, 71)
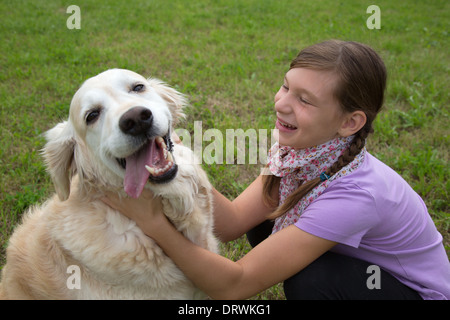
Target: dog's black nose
(136, 121)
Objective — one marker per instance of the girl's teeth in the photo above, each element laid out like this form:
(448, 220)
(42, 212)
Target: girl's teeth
(287, 125)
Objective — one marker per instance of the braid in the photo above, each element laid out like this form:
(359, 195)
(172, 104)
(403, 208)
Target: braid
(344, 159)
(358, 143)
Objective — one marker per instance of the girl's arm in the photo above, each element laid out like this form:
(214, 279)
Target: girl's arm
(234, 218)
(273, 260)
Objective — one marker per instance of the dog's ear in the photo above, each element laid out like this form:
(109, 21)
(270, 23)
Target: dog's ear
(59, 157)
(176, 100)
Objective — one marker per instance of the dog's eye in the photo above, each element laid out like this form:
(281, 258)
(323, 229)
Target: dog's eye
(92, 116)
(138, 88)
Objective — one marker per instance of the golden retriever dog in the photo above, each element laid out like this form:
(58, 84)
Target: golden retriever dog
(117, 140)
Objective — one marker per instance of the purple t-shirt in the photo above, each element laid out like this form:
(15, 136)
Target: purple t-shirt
(376, 216)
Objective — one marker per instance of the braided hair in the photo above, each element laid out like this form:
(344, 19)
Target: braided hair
(361, 84)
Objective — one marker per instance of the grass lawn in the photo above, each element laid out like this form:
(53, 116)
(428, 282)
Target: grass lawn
(230, 58)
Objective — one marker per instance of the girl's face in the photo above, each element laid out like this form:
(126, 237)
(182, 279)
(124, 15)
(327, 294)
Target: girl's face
(307, 112)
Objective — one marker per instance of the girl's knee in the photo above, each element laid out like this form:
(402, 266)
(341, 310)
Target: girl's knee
(315, 281)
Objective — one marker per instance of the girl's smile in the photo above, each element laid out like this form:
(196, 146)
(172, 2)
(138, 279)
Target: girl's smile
(284, 126)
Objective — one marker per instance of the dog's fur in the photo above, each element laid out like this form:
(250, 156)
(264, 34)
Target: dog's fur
(75, 228)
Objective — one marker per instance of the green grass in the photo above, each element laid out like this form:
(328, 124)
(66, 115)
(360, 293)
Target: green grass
(229, 57)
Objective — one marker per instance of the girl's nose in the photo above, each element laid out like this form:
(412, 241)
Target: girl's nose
(282, 102)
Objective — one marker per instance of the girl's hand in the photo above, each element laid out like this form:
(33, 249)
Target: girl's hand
(146, 211)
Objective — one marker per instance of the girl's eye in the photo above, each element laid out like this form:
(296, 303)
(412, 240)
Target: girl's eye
(285, 87)
(138, 88)
(305, 101)
(92, 116)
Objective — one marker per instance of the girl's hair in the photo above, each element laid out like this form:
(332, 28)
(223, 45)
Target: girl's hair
(361, 83)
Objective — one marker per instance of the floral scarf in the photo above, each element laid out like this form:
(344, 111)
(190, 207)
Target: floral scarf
(298, 166)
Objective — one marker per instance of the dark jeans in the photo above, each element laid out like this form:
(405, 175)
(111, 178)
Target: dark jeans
(337, 277)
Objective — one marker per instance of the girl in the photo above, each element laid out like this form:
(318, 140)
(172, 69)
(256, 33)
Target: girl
(346, 226)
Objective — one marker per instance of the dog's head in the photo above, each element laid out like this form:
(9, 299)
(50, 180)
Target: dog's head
(118, 132)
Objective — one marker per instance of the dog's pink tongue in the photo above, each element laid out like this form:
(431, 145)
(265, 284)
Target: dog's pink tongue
(136, 176)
